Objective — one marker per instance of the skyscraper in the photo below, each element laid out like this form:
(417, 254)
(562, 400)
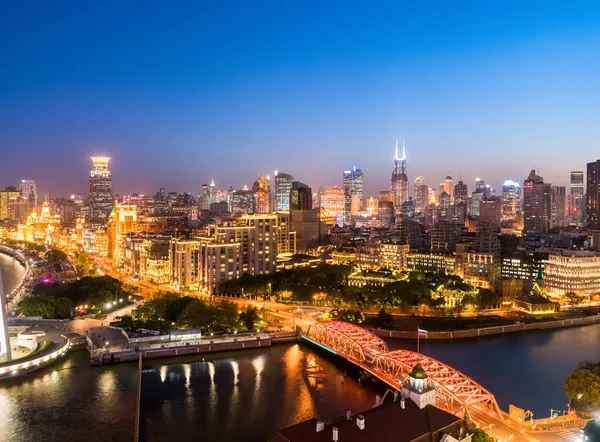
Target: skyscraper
(283, 185)
(576, 198)
(461, 193)
(559, 200)
(29, 194)
(511, 200)
(300, 196)
(533, 204)
(449, 187)
(262, 193)
(353, 185)
(593, 195)
(421, 195)
(399, 183)
(101, 194)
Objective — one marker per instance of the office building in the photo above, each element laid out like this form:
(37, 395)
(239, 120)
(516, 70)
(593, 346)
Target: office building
(283, 186)
(242, 201)
(100, 198)
(511, 200)
(533, 204)
(559, 206)
(332, 200)
(576, 199)
(490, 211)
(449, 187)
(421, 195)
(461, 193)
(593, 195)
(300, 196)
(183, 263)
(29, 194)
(9, 199)
(311, 230)
(399, 182)
(262, 193)
(353, 185)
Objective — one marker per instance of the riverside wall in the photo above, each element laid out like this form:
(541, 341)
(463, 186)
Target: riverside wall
(487, 331)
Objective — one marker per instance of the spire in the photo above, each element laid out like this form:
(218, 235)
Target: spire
(396, 156)
(403, 150)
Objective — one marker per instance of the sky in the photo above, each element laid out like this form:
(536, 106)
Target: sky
(178, 93)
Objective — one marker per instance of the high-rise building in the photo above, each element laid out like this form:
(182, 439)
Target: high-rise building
(101, 192)
(332, 200)
(300, 196)
(511, 200)
(29, 194)
(533, 204)
(461, 193)
(421, 195)
(399, 182)
(547, 206)
(242, 201)
(576, 198)
(353, 185)
(8, 198)
(183, 263)
(207, 196)
(593, 195)
(262, 193)
(283, 185)
(490, 211)
(449, 187)
(559, 206)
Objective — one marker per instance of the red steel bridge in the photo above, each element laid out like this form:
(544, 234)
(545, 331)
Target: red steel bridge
(455, 391)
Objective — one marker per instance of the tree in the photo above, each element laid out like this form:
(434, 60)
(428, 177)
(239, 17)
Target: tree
(573, 298)
(85, 264)
(249, 317)
(384, 319)
(480, 436)
(583, 387)
(486, 299)
(55, 256)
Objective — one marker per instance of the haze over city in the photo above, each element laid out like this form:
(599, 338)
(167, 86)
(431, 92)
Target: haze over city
(227, 91)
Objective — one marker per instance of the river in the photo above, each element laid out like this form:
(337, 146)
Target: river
(247, 395)
(12, 272)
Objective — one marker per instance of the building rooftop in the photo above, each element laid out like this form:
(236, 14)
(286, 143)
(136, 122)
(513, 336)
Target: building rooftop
(388, 422)
(534, 299)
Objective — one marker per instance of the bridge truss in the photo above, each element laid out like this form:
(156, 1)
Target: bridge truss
(350, 340)
(454, 389)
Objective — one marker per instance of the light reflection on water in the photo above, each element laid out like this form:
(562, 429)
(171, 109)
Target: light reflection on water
(275, 387)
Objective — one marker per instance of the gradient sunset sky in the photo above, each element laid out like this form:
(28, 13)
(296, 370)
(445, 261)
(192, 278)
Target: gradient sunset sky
(178, 93)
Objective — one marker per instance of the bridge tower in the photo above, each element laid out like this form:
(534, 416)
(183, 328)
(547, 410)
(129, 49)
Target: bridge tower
(418, 388)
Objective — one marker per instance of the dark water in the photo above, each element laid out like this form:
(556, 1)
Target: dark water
(246, 396)
(12, 272)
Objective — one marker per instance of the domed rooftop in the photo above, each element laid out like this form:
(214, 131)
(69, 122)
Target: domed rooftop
(418, 372)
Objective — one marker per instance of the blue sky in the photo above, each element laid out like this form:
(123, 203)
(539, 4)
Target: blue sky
(178, 93)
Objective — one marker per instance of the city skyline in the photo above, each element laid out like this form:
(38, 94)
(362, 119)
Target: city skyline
(486, 91)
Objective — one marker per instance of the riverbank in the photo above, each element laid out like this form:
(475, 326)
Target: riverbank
(488, 331)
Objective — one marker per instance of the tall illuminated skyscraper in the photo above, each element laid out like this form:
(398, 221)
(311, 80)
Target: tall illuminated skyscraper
(576, 198)
(101, 193)
(533, 204)
(353, 187)
(593, 196)
(399, 182)
(283, 186)
(29, 194)
(421, 195)
(449, 187)
(511, 200)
